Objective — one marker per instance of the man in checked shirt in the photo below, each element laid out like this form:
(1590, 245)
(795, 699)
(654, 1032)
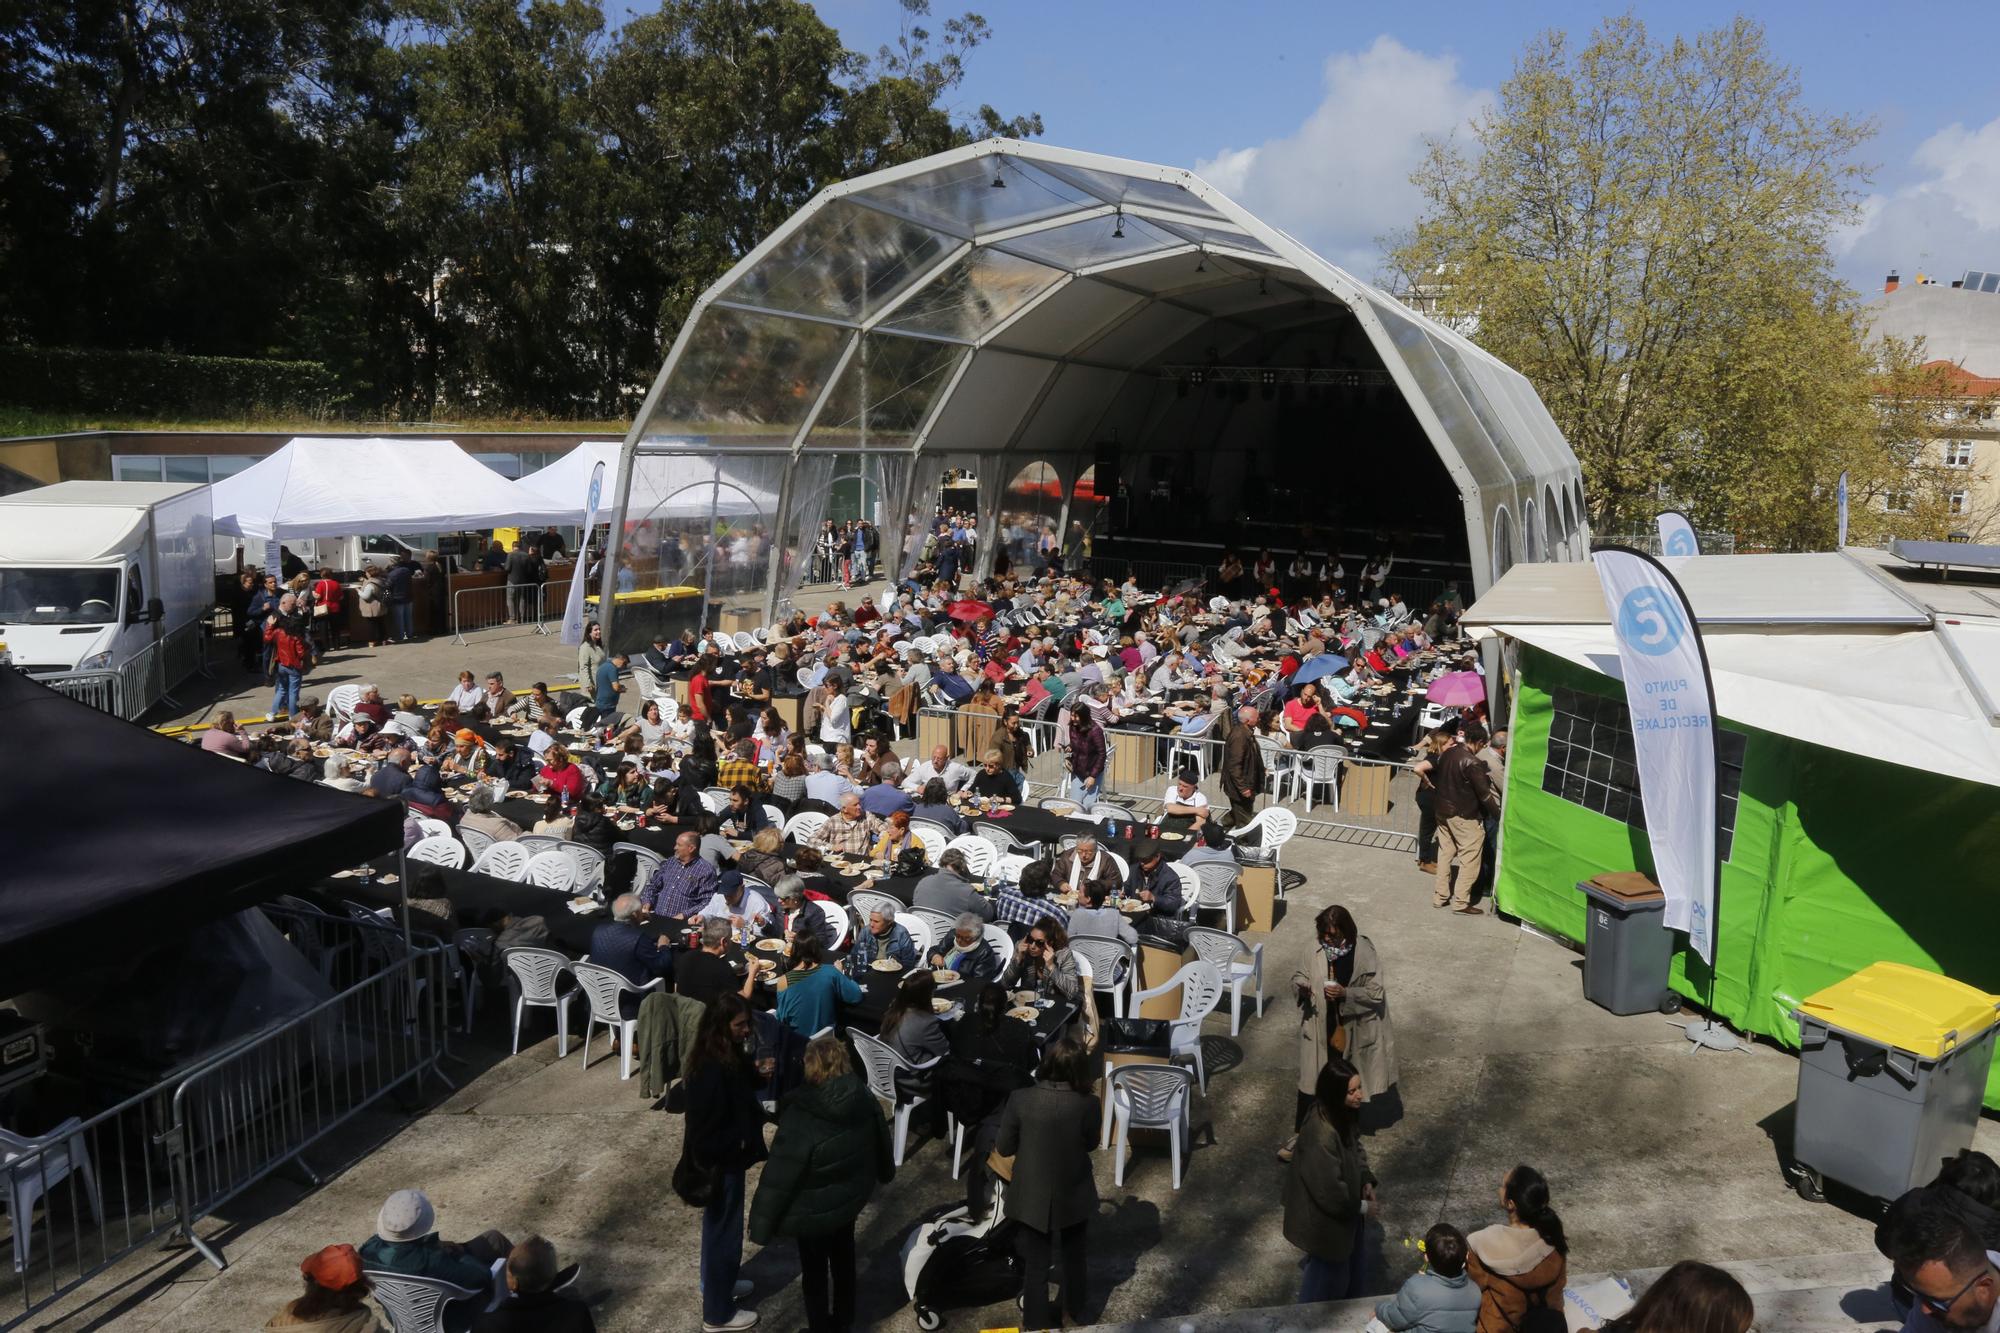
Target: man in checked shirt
(683, 883)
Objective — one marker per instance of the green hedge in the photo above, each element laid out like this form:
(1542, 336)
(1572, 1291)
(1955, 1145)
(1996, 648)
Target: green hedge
(165, 384)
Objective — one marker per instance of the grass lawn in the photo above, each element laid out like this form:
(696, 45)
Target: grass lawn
(19, 421)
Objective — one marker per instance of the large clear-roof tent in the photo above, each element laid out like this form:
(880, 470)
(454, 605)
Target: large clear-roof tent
(1010, 308)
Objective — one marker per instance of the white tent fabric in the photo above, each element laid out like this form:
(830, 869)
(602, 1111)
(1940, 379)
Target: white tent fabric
(663, 485)
(1812, 645)
(317, 487)
(1892, 696)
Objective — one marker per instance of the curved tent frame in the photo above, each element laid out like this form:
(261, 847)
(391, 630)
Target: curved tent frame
(1007, 302)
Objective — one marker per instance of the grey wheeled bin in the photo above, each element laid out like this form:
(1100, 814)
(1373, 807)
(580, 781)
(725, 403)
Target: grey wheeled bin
(1892, 1071)
(1626, 950)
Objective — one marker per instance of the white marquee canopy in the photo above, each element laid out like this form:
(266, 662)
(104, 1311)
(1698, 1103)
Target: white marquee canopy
(319, 487)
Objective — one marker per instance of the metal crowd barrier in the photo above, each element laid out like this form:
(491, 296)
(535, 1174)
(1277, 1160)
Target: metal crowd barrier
(102, 690)
(534, 607)
(160, 1161)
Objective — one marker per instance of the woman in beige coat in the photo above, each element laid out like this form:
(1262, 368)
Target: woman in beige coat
(1344, 975)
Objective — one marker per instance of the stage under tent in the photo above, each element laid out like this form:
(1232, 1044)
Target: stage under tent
(1100, 343)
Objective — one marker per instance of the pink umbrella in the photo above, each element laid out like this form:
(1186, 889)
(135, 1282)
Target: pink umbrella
(1457, 689)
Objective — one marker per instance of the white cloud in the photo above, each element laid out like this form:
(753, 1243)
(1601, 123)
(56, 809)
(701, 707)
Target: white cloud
(1944, 219)
(1342, 178)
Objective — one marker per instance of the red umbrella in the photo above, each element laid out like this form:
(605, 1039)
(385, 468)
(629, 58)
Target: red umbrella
(968, 610)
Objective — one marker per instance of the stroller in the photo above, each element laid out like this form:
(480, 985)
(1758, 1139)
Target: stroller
(951, 1259)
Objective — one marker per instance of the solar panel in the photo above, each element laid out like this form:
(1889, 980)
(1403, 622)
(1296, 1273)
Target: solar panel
(1964, 555)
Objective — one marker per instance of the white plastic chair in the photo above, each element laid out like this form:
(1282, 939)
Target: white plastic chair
(1060, 807)
(340, 701)
(35, 1166)
(589, 863)
(1007, 869)
(879, 1064)
(1322, 769)
(1190, 888)
(552, 870)
(803, 827)
(1124, 867)
(1275, 827)
(417, 1304)
(1104, 813)
(979, 853)
(921, 934)
(842, 923)
(864, 901)
(644, 862)
(773, 815)
(1107, 958)
(475, 842)
(573, 719)
(1190, 747)
(942, 924)
(714, 800)
(1200, 986)
(433, 828)
(745, 641)
(931, 837)
(1281, 768)
(536, 843)
(439, 850)
(1218, 890)
(1237, 961)
(1150, 1097)
(998, 940)
(601, 988)
(504, 860)
(536, 974)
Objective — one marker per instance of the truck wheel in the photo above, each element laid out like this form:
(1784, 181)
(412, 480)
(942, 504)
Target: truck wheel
(928, 1319)
(1810, 1184)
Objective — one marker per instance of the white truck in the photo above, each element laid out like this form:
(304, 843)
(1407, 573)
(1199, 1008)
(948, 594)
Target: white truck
(106, 583)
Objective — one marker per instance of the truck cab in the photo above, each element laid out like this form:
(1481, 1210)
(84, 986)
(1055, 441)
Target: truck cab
(95, 575)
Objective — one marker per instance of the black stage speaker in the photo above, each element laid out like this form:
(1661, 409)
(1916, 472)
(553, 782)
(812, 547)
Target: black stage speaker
(1105, 479)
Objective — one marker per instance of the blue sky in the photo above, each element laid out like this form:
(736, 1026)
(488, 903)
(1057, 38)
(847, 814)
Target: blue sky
(1313, 113)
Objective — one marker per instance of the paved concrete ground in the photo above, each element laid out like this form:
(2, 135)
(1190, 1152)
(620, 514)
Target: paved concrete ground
(1654, 1153)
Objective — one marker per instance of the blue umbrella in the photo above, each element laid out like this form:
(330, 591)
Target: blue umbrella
(1326, 664)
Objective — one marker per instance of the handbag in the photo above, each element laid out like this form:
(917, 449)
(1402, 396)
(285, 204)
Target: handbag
(695, 1183)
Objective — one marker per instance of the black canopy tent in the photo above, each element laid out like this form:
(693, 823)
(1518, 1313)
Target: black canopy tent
(104, 823)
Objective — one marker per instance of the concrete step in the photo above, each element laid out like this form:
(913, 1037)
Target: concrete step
(1800, 1294)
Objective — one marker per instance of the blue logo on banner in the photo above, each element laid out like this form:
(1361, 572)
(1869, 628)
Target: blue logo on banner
(1650, 620)
(596, 487)
(1680, 542)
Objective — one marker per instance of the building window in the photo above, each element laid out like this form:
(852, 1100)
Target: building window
(1959, 502)
(130, 468)
(1591, 763)
(1896, 502)
(1958, 453)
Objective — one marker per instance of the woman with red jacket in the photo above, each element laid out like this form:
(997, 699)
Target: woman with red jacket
(562, 777)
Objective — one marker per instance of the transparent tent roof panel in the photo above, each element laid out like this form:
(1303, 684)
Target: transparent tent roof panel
(885, 393)
(843, 262)
(974, 294)
(1092, 241)
(961, 198)
(745, 374)
(1113, 187)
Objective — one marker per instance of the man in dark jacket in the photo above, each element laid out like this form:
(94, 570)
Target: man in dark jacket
(632, 951)
(401, 583)
(1242, 768)
(1462, 799)
(523, 573)
(534, 1303)
(1049, 1130)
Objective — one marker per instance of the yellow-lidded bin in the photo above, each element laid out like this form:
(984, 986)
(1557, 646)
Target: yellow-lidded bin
(1892, 1071)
